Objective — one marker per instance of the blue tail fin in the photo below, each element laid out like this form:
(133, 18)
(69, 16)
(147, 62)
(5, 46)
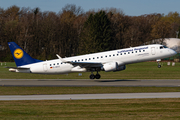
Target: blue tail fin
(20, 56)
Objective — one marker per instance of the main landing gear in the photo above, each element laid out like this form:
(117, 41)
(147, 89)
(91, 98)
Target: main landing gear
(97, 76)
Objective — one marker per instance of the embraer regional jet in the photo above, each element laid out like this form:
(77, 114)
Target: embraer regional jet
(115, 60)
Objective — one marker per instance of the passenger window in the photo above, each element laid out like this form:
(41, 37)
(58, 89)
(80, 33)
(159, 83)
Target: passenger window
(139, 50)
(89, 58)
(132, 52)
(113, 54)
(97, 57)
(86, 59)
(93, 58)
(117, 54)
(136, 51)
(121, 53)
(109, 55)
(78, 60)
(161, 47)
(75, 61)
(143, 50)
(124, 53)
(106, 56)
(128, 52)
(101, 56)
(82, 60)
(54, 64)
(57, 63)
(50, 64)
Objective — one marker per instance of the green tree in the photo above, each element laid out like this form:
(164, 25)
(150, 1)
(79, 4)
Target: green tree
(97, 34)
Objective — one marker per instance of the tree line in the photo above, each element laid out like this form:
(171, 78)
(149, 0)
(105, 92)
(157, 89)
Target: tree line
(74, 32)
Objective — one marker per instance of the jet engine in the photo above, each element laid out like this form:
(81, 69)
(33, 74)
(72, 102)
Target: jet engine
(113, 66)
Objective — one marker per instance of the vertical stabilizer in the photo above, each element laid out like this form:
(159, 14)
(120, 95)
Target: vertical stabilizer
(20, 56)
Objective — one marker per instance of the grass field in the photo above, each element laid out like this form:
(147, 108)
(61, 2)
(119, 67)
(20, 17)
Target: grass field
(81, 90)
(144, 109)
(135, 109)
(145, 70)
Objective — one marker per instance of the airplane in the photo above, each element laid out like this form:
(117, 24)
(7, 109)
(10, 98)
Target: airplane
(114, 60)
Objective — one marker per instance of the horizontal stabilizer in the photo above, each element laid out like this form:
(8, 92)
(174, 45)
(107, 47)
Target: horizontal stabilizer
(17, 67)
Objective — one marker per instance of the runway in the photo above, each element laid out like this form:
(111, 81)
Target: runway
(88, 82)
(91, 96)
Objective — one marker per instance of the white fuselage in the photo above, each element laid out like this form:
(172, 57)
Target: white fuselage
(121, 57)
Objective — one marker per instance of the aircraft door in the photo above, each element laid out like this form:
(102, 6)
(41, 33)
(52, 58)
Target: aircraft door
(153, 51)
(45, 67)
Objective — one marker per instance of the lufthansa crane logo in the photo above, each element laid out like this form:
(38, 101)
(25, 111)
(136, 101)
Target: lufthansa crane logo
(18, 53)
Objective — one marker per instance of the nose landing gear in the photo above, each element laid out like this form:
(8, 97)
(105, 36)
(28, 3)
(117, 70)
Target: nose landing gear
(159, 65)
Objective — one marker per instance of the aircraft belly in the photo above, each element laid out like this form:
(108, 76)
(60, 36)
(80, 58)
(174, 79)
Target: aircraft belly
(136, 58)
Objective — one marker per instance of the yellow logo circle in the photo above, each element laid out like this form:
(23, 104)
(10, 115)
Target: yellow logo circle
(18, 53)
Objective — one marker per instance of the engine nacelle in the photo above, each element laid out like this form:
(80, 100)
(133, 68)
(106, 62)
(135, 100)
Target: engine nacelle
(119, 68)
(113, 66)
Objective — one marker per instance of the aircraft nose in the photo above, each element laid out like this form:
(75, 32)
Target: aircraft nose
(173, 52)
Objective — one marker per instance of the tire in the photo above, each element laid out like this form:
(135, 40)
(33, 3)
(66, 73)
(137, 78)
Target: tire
(92, 76)
(159, 66)
(98, 76)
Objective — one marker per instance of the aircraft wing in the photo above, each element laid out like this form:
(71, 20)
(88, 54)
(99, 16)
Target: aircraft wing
(87, 64)
(82, 64)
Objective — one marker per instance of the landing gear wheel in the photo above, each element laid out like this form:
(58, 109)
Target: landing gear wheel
(98, 76)
(92, 76)
(159, 66)
(158, 62)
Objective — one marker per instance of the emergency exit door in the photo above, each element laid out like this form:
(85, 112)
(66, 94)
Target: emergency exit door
(45, 67)
(153, 51)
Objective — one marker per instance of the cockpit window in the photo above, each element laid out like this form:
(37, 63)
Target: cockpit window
(161, 47)
(165, 47)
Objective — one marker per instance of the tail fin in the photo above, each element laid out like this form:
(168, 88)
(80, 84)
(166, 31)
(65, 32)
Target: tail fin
(20, 56)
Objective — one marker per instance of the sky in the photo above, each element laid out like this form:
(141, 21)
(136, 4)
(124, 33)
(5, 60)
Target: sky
(129, 7)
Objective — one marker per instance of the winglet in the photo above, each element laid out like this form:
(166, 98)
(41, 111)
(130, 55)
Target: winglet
(64, 61)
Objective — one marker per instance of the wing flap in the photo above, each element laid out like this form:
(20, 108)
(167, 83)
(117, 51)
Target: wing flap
(87, 64)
